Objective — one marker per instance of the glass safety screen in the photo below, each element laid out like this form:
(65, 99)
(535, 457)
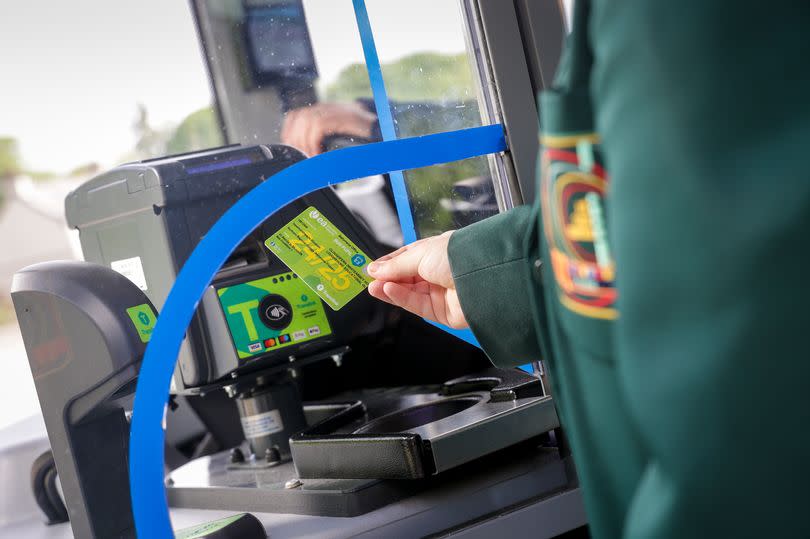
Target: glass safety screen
(324, 74)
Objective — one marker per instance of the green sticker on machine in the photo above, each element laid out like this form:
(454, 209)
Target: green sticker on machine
(323, 257)
(271, 313)
(202, 531)
(144, 319)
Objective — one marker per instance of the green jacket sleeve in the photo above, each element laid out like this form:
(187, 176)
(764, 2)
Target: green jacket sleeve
(491, 269)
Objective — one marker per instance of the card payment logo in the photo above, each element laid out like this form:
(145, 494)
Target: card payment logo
(277, 312)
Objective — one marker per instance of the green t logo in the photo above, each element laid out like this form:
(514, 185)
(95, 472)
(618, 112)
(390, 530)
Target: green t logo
(245, 310)
(143, 318)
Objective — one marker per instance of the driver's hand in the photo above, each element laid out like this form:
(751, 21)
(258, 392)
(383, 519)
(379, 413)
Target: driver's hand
(418, 278)
(306, 128)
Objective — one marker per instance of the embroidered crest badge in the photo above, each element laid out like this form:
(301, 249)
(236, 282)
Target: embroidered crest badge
(573, 189)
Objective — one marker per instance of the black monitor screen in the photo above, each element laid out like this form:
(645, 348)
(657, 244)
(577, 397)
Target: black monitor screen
(278, 42)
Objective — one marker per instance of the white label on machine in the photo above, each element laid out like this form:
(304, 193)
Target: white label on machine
(262, 424)
(132, 269)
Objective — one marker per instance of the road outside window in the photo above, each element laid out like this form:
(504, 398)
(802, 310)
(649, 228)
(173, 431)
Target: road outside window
(109, 93)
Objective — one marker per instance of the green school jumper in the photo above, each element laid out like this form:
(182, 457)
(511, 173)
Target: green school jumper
(663, 271)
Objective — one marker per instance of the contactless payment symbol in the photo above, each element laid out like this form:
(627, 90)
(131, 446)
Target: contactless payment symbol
(275, 311)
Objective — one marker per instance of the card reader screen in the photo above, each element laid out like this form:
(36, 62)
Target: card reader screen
(272, 313)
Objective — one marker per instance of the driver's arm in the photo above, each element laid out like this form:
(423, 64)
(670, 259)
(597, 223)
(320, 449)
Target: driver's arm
(306, 128)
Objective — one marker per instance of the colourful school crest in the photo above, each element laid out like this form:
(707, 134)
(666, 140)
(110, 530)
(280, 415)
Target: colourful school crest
(573, 190)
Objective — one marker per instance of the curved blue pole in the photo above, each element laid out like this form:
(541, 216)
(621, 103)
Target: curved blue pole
(149, 504)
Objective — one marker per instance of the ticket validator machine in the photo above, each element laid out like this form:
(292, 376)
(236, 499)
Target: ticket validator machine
(363, 421)
(259, 335)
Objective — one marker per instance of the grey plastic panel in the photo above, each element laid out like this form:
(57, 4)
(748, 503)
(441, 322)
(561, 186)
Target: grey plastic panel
(542, 25)
(542, 519)
(463, 437)
(467, 494)
(523, 41)
(84, 351)
(512, 87)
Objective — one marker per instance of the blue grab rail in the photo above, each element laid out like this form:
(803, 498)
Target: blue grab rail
(146, 473)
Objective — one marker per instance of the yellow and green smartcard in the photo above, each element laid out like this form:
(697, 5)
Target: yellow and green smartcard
(325, 259)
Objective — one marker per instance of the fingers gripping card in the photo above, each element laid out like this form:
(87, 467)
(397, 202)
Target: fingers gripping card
(326, 260)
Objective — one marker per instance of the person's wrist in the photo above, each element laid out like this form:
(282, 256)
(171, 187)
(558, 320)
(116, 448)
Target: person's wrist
(366, 124)
(447, 272)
